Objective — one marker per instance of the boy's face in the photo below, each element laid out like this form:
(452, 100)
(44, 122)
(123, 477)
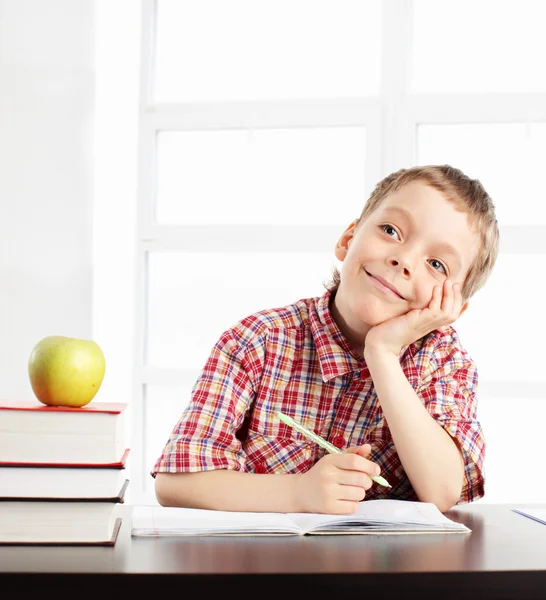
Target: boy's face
(413, 241)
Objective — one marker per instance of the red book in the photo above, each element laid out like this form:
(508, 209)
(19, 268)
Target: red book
(32, 433)
(101, 407)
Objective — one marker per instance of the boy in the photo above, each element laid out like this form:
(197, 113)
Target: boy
(373, 366)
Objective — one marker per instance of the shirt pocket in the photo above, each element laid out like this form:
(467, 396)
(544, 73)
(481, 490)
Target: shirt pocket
(274, 454)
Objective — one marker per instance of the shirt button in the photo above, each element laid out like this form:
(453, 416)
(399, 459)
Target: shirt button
(260, 469)
(338, 441)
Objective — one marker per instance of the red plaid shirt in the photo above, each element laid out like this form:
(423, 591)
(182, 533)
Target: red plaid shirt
(296, 360)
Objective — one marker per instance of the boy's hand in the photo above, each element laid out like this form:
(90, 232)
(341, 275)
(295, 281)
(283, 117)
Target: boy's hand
(337, 482)
(392, 335)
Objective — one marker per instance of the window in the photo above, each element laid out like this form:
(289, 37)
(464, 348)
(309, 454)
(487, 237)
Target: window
(263, 126)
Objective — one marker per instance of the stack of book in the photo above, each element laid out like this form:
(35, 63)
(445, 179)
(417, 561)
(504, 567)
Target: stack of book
(63, 473)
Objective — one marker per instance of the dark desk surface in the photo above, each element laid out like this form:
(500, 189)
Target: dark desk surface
(503, 557)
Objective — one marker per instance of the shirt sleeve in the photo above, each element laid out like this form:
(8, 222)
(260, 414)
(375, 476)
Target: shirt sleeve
(205, 436)
(449, 395)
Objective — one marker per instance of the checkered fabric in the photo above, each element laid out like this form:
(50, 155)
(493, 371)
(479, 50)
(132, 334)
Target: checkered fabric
(295, 359)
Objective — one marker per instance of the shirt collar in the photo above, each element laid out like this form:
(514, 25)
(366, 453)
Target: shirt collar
(336, 357)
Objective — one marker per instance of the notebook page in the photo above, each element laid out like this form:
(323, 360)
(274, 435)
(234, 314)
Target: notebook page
(397, 513)
(161, 520)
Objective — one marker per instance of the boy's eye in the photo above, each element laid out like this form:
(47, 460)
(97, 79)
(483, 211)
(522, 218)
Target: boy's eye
(437, 265)
(389, 230)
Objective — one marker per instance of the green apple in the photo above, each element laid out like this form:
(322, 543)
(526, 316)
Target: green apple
(66, 371)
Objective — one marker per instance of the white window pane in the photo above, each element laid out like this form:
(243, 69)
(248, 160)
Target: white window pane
(504, 420)
(194, 298)
(281, 176)
(257, 49)
(477, 47)
(507, 158)
(500, 329)
(163, 406)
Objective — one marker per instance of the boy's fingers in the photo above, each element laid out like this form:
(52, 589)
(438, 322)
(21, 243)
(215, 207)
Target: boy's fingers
(355, 479)
(453, 307)
(361, 463)
(363, 450)
(350, 492)
(448, 297)
(457, 299)
(436, 298)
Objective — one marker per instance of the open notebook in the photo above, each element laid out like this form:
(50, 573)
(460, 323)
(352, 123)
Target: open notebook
(373, 516)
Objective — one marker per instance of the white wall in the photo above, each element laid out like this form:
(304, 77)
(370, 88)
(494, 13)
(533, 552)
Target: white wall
(46, 178)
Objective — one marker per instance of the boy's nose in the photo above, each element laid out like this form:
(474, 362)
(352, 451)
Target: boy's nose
(400, 264)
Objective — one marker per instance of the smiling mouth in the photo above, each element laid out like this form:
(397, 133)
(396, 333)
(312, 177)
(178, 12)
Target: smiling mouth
(384, 288)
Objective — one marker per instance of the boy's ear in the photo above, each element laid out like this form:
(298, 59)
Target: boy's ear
(342, 246)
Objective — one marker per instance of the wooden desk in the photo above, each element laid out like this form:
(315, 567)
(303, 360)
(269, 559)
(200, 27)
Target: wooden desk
(503, 557)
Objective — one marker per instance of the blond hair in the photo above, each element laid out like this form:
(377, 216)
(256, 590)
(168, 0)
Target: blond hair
(467, 194)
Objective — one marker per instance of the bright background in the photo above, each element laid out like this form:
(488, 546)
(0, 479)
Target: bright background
(170, 167)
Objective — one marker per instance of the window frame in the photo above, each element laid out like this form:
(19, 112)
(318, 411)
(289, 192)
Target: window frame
(391, 122)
